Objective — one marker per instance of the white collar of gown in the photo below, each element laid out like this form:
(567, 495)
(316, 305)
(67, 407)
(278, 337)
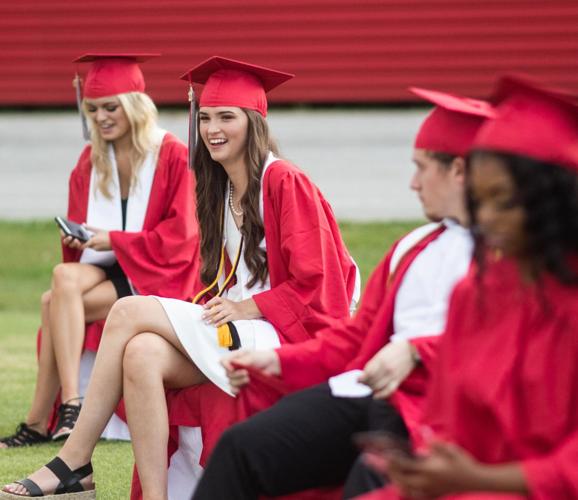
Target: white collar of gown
(105, 213)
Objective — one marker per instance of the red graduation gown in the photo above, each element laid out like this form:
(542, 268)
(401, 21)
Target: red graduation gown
(163, 258)
(312, 281)
(506, 385)
(352, 343)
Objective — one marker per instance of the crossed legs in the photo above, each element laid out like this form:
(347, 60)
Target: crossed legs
(139, 355)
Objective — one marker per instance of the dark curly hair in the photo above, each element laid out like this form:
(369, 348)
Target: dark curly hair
(549, 196)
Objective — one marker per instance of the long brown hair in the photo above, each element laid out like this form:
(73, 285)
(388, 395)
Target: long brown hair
(210, 190)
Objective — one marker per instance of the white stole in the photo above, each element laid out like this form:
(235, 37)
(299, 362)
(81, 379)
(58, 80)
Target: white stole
(263, 245)
(270, 159)
(409, 241)
(105, 213)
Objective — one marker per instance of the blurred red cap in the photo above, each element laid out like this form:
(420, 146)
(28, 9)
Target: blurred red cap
(453, 124)
(532, 121)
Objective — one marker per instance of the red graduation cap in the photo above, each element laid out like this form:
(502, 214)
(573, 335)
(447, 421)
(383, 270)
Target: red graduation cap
(532, 121)
(453, 124)
(235, 83)
(114, 73)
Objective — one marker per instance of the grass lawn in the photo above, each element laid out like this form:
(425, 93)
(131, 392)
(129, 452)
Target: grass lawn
(28, 251)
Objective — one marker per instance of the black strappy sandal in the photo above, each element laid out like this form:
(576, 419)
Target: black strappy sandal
(24, 436)
(67, 417)
(69, 487)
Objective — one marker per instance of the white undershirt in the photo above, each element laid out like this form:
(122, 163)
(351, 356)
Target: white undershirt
(239, 291)
(422, 299)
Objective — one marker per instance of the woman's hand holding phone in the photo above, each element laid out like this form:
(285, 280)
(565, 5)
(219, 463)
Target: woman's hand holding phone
(444, 469)
(70, 241)
(383, 442)
(100, 239)
(80, 236)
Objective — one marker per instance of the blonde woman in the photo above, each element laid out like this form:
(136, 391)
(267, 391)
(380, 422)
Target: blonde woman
(133, 189)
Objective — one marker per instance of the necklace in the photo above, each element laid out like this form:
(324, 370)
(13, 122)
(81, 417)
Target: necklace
(231, 205)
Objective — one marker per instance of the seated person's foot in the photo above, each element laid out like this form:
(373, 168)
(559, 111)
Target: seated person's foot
(50, 480)
(67, 416)
(25, 435)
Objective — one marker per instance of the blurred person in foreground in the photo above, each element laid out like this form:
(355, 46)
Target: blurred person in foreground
(503, 409)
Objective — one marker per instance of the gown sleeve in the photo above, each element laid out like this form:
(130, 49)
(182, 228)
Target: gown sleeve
(157, 258)
(427, 348)
(313, 287)
(78, 186)
(315, 360)
(555, 474)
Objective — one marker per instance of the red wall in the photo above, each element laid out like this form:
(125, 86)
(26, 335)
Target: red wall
(341, 50)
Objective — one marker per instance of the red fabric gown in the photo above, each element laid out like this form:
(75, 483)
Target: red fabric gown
(506, 385)
(312, 281)
(351, 344)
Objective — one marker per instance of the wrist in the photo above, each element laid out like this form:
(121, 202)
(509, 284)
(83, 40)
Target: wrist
(249, 309)
(276, 364)
(500, 478)
(414, 353)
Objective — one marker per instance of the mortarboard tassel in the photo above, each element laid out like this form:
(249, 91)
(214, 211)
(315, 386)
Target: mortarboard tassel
(224, 336)
(192, 126)
(85, 132)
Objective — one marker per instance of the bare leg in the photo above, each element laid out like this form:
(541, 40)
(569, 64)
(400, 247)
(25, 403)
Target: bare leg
(128, 317)
(46, 378)
(47, 382)
(97, 302)
(150, 365)
(67, 322)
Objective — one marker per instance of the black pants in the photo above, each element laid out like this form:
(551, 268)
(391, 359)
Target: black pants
(361, 479)
(304, 441)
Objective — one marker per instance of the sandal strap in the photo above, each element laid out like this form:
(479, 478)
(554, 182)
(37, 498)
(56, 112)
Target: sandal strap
(84, 471)
(69, 479)
(79, 398)
(31, 487)
(67, 416)
(24, 436)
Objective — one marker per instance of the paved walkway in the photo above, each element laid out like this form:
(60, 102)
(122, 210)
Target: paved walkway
(360, 159)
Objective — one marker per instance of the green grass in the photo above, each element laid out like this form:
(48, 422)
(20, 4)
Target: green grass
(28, 251)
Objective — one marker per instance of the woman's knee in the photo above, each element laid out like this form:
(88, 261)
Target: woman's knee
(64, 277)
(126, 311)
(142, 356)
(45, 299)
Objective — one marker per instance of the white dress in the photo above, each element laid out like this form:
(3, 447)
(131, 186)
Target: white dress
(200, 339)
